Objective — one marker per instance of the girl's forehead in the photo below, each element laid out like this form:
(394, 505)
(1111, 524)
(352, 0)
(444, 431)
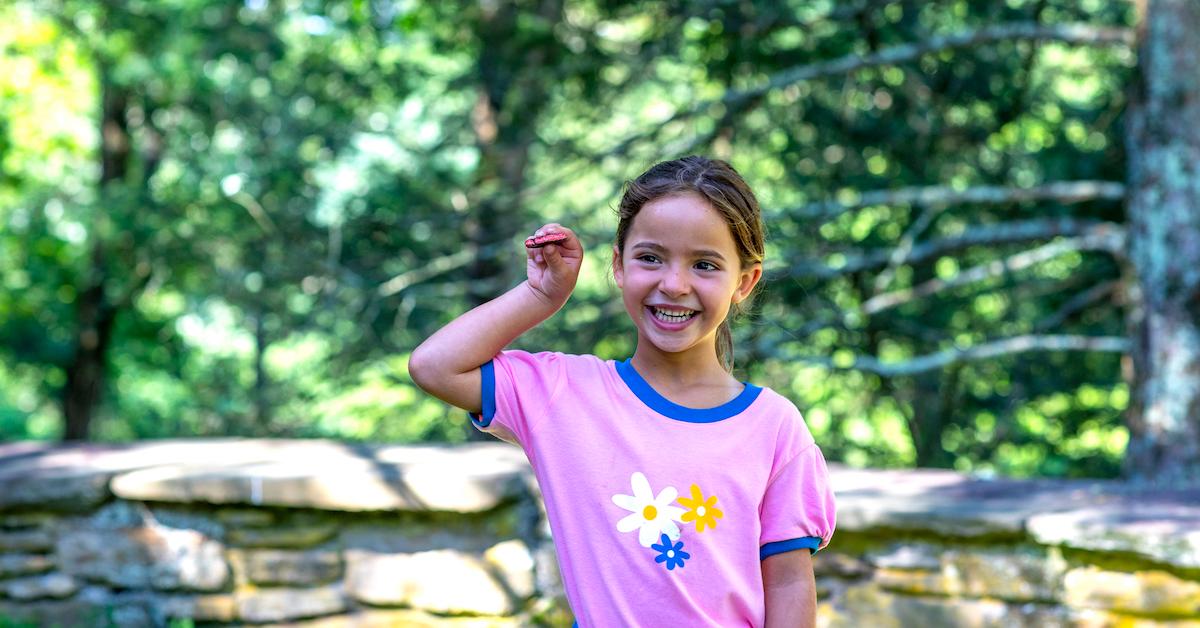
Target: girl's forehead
(687, 218)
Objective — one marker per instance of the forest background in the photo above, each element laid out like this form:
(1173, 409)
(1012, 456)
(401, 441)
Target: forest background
(239, 218)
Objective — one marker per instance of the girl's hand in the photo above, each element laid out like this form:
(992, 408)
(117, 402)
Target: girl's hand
(554, 268)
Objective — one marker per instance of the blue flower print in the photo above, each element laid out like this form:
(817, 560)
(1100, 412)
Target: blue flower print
(672, 554)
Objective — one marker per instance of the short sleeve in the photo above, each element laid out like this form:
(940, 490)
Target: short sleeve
(798, 509)
(516, 389)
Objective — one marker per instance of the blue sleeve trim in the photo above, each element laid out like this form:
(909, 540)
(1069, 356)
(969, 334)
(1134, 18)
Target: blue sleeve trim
(810, 543)
(487, 393)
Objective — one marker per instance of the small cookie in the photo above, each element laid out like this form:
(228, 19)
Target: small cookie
(542, 240)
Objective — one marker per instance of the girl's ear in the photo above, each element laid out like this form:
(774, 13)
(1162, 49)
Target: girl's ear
(618, 270)
(746, 282)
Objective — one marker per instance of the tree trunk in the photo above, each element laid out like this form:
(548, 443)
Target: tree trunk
(1163, 144)
(262, 382)
(85, 373)
(95, 313)
(513, 87)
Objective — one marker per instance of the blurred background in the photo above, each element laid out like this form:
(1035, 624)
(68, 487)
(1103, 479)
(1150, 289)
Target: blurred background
(239, 218)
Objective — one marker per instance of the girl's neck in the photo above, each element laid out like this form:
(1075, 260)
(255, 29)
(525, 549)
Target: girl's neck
(680, 370)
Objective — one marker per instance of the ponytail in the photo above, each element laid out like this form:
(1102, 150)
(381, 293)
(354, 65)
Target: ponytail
(725, 346)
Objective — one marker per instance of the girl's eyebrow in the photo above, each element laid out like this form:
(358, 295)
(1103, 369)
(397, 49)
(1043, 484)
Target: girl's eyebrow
(658, 248)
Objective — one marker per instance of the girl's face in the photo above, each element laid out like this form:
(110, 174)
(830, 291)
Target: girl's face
(679, 275)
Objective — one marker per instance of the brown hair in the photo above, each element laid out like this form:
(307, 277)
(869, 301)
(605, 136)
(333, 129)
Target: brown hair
(725, 190)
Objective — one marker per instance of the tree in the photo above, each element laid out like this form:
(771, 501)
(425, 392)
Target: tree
(1164, 227)
(953, 277)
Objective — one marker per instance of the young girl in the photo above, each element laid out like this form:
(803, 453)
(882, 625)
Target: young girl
(677, 495)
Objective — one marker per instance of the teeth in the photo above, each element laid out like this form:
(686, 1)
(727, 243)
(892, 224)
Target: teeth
(662, 315)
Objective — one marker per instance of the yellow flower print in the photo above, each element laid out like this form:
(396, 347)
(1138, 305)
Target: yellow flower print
(703, 511)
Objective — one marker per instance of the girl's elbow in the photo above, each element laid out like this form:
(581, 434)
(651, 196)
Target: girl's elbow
(420, 370)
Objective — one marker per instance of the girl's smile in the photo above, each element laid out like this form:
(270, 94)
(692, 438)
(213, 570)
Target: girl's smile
(671, 319)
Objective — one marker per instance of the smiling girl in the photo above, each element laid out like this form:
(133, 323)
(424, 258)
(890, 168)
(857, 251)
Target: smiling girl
(677, 495)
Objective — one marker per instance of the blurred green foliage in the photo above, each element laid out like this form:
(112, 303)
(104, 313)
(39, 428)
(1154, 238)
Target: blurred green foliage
(313, 187)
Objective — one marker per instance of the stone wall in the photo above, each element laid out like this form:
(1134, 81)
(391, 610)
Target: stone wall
(319, 533)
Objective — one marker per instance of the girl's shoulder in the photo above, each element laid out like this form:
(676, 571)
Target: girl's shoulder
(781, 413)
(778, 403)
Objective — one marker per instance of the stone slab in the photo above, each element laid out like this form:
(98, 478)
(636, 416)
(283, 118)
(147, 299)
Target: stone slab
(24, 564)
(270, 567)
(281, 605)
(335, 476)
(1153, 593)
(1161, 526)
(312, 473)
(860, 606)
(391, 618)
(52, 585)
(144, 556)
(1013, 575)
(434, 580)
(73, 477)
(953, 503)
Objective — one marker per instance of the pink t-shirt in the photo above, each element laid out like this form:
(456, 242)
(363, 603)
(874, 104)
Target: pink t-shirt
(661, 514)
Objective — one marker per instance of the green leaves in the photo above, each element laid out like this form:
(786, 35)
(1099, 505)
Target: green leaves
(299, 174)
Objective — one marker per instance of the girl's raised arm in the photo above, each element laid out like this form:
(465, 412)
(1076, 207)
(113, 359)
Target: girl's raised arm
(447, 364)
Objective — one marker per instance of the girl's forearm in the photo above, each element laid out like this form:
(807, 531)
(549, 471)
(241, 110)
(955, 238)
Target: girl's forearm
(791, 607)
(477, 336)
(790, 590)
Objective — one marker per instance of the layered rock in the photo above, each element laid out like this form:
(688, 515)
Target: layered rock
(317, 533)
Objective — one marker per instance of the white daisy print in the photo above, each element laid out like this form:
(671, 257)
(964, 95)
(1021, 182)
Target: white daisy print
(651, 516)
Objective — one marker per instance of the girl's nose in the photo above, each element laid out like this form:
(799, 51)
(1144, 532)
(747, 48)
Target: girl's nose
(674, 282)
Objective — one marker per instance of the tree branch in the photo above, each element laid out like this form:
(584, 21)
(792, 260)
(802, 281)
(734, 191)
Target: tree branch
(996, 348)
(1081, 34)
(1105, 235)
(903, 250)
(1076, 303)
(432, 269)
(1085, 34)
(1094, 241)
(1065, 192)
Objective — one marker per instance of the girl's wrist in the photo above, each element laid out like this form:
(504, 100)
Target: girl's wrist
(544, 302)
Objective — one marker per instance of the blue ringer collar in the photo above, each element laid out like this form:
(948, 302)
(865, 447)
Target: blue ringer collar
(660, 404)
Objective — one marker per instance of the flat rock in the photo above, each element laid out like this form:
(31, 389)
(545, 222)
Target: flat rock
(955, 504)
(1154, 593)
(1163, 527)
(72, 477)
(281, 567)
(276, 605)
(52, 585)
(390, 618)
(433, 581)
(35, 540)
(24, 564)
(147, 554)
(328, 475)
(869, 605)
(219, 607)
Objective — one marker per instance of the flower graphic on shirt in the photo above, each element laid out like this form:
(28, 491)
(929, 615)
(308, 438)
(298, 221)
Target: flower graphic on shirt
(703, 511)
(670, 553)
(651, 516)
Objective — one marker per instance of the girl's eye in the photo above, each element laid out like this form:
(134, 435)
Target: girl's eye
(646, 257)
(709, 265)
